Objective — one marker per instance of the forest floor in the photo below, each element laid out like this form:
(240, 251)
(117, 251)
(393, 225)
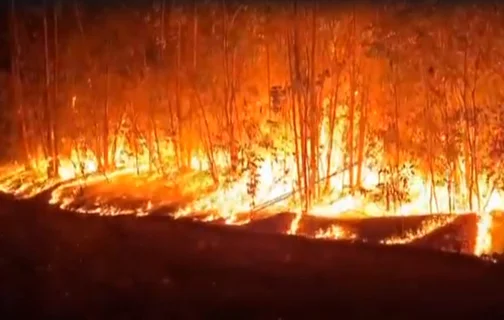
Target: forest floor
(127, 192)
(165, 197)
(58, 264)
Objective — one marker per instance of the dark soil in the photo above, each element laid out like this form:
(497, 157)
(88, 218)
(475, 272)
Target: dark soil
(55, 264)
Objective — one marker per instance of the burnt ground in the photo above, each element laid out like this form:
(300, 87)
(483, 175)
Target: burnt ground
(56, 264)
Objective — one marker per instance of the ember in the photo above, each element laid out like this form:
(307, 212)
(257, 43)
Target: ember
(318, 112)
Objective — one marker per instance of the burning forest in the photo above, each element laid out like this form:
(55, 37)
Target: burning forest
(324, 118)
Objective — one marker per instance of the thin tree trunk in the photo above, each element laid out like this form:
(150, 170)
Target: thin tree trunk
(162, 28)
(178, 102)
(78, 17)
(208, 141)
(469, 147)
(47, 96)
(268, 76)
(17, 82)
(475, 124)
(427, 116)
(352, 105)
(396, 170)
(195, 34)
(430, 160)
(448, 155)
(303, 108)
(314, 117)
(362, 137)
(105, 133)
(330, 141)
(134, 140)
(188, 145)
(229, 91)
(333, 108)
(54, 123)
(293, 99)
(157, 146)
(162, 55)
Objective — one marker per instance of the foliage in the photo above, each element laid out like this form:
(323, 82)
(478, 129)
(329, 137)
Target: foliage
(203, 76)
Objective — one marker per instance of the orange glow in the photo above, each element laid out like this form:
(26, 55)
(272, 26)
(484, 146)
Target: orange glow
(276, 191)
(335, 232)
(235, 117)
(427, 227)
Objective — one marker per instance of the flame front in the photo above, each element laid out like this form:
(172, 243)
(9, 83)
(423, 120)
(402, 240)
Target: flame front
(334, 232)
(275, 180)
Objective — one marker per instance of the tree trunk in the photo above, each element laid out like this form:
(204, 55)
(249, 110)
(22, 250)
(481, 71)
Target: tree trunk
(475, 144)
(162, 28)
(134, 139)
(397, 161)
(468, 150)
(352, 105)
(158, 147)
(229, 92)
(362, 137)
(293, 93)
(178, 102)
(302, 104)
(195, 34)
(333, 108)
(314, 116)
(105, 133)
(17, 83)
(268, 77)
(430, 161)
(449, 157)
(208, 141)
(52, 169)
(54, 122)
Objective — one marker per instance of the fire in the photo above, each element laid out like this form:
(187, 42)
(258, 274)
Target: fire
(317, 115)
(335, 232)
(484, 236)
(271, 186)
(427, 227)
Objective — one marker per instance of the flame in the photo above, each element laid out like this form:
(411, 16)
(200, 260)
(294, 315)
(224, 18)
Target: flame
(268, 186)
(426, 227)
(335, 232)
(484, 235)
